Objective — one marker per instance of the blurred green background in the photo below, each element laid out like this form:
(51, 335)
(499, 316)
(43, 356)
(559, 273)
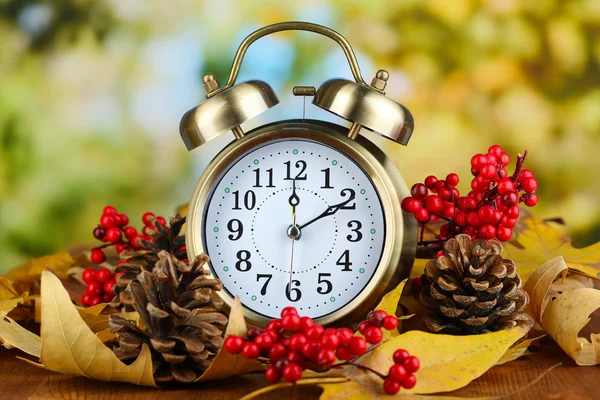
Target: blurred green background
(91, 93)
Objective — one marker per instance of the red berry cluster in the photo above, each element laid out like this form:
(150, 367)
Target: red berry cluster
(489, 210)
(293, 343)
(401, 373)
(113, 229)
(99, 286)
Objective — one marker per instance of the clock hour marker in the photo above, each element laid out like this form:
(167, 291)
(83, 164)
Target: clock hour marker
(255, 162)
(216, 229)
(227, 190)
(295, 151)
(362, 270)
(332, 299)
(253, 298)
(334, 162)
(363, 191)
(226, 268)
(373, 230)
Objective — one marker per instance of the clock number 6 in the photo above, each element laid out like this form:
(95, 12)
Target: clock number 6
(293, 294)
(243, 263)
(268, 277)
(328, 285)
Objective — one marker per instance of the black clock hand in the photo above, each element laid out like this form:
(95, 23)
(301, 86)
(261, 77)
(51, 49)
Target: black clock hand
(294, 199)
(329, 211)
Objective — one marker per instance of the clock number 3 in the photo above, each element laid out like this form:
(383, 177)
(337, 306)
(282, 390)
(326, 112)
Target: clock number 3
(356, 230)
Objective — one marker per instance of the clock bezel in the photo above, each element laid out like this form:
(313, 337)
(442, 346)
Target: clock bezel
(400, 230)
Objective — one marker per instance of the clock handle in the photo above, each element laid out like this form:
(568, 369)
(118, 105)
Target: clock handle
(289, 26)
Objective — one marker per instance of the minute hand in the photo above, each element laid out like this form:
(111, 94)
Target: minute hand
(329, 211)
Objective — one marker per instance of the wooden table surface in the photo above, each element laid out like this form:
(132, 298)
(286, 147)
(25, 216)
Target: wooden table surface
(19, 380)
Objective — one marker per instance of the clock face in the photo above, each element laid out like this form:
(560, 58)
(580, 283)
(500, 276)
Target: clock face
(249, 224)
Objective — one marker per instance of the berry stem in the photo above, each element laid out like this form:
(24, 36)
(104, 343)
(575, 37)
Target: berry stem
(519, 166)
(364, 367)
(429, 252)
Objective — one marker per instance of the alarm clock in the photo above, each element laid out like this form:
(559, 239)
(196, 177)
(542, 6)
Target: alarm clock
(301, 213)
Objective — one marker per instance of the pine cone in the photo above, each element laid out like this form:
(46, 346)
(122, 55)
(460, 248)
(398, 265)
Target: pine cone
(472, 289)
(181, 322)
(135, 261)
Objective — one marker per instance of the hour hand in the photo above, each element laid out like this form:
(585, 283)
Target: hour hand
(294, 199)
(329, 211)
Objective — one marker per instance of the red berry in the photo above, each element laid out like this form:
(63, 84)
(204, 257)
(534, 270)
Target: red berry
(525, 173)
(288, 310)
(439, 185)
(342, 353)
(374, 335)
(510, 199)
(452, 179)
(278, 351)
(410, 205)
(400, 355)
(473, 219)
(95, 300)
(130, 232)
(315, 332)
(485, 214)
(296, 357)
(391, 386)
(434, 203)
(487, 232)
(375, 317)
(99, 232)
(103, 275)
(274, 324)
(107, 221)
(430, 182)
(390, 323)
(161, 221)
(445, 194)
(250, 350)
(531, 200)
(273, 334)
(469, 230)
(94, 289)
(97, 256)
(512, 212)
(89, 275)
(409, 382)
(495, 150)
(121, 219)
(107, 297)
(109, 210)
(146, 218)
(529, 184)
(136, 241)
(411, 364)
(357, 346)
(297, 341)
(264, 341)
(489, 172)
(272, 375)
(85, 299)
(508, 222)
(504, 233)
(280, 364)
(422, 216)
(418, 191)
(505, 185)
(344, 334)
(504, 159)
(326, 357)
(478, 161)
(114, 235)
(292, 372)
(363, 326)
(330, 340)
(253, 332)
(306, 323)
(109, 287)
(120, 247)
(397, 372)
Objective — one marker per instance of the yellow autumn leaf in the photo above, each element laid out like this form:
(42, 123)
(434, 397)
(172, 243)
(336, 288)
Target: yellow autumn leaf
(24, 276)
(226, 364)
(447, 362)
(14, 335)
(519, 350)
(93, 317)
(536, 241)
(70, 347)
(563, 316)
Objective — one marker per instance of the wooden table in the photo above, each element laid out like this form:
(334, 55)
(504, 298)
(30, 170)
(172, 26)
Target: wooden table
(19, 380)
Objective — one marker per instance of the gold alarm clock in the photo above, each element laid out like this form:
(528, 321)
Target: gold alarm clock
(301, 213)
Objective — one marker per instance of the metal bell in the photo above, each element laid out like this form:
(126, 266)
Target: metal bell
(225, 110)
(366, 106)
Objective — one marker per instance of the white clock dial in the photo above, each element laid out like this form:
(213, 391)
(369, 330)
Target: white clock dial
(248, 215)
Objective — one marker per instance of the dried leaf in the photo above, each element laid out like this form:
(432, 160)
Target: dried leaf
(225, 364)
(389, 304)
(519, 350)
(93, 317)
(563, 317)
(14, 335)
(70, 347)
(24, 276)
(535, 242)
(447, 362)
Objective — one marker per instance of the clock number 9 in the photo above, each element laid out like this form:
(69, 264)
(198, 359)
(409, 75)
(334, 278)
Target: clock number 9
(236, 226)
(328, 286)
(300, 176)
(356, 230)
(297, 294)
(243, 263)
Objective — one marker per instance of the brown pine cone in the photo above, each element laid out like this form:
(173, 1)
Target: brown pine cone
(135, 261)
(472, 289)
(182, 324)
